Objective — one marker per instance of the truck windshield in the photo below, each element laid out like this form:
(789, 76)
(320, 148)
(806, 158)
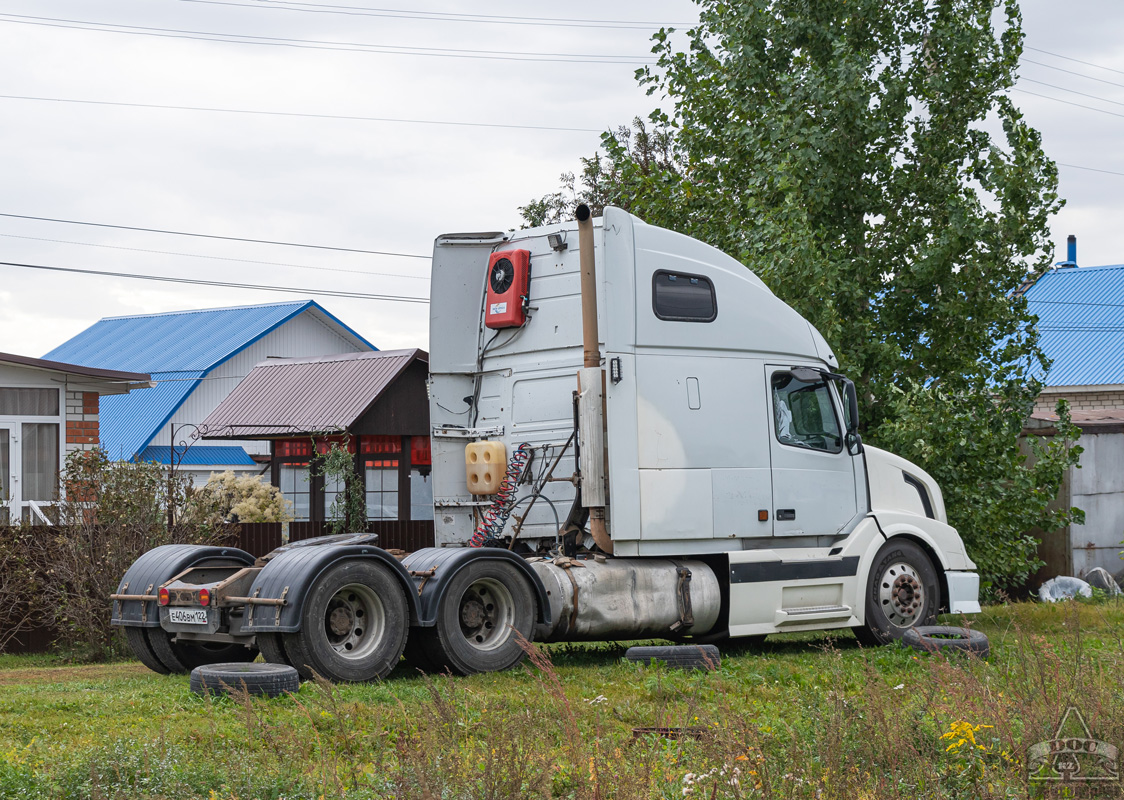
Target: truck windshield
(803, 414)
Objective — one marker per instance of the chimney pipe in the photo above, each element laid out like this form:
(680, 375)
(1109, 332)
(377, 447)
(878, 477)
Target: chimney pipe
(1071, 250)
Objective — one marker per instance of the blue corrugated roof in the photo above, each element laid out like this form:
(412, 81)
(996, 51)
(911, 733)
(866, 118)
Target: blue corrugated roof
(177, 348)
(179, 341)
(200, 455)
(1080, 314)
(127, 422)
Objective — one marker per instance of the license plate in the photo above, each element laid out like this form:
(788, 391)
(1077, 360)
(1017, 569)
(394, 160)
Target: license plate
(187, 616)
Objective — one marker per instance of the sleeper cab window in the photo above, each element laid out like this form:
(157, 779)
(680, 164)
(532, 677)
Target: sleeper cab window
(803, 414)
(680, 297)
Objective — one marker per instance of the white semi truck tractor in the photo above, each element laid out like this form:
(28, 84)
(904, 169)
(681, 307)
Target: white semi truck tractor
(632, 438)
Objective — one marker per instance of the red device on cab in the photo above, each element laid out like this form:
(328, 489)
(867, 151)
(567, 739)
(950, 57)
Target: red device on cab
(509, 285)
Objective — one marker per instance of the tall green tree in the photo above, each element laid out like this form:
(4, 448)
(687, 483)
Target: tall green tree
(863, 158)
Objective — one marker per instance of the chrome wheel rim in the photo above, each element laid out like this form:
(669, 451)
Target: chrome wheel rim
(486, 614)
(901, 595)
(354, 621)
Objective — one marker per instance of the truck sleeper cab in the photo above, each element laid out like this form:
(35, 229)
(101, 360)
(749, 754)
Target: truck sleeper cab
(632, 437)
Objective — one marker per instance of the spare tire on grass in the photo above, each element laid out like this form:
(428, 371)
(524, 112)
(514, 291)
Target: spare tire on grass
(947, 639)
(684, 656)
(269, 680)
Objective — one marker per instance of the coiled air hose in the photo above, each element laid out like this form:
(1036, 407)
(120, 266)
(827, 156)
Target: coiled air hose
(495, 518)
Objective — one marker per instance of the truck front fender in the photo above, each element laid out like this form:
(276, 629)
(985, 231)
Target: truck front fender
(433, 568)
(290, 574)
(157, 567)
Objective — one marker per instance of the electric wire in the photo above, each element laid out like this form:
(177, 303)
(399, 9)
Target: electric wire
(218, 258)
(214, 236)
(1076, 60)
(1067, 102)
(302, 115)
(224, 284)
(313, 44)
(1073, 91)
(1071, 72)
(437, 16)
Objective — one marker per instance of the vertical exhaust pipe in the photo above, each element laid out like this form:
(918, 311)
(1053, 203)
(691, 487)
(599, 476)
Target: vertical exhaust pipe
(591, 393)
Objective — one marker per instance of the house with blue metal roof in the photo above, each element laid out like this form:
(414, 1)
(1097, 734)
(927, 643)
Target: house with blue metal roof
(196, 359)
(1080, 314)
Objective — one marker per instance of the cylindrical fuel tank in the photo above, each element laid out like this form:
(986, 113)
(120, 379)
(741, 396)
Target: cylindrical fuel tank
(626, 598)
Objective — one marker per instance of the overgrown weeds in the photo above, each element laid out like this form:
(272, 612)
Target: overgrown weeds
(806, 717)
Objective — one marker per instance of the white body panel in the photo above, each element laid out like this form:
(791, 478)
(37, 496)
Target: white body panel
(695, 464)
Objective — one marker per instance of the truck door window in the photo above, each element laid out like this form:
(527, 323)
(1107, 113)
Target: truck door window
(683, 298)
(803, 414)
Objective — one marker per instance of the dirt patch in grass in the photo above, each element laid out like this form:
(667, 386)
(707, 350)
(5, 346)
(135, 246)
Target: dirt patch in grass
(71, 674)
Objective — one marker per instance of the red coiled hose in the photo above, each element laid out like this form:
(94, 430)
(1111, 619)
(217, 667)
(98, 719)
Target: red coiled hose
(491, 526)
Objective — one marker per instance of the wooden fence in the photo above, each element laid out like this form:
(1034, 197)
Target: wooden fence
(257, 539)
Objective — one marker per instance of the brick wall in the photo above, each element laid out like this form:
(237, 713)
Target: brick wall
(1081, 401)
(81, 421)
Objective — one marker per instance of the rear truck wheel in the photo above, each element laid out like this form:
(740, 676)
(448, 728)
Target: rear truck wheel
(353, 624)
(486, 605)
(182, 657)
(142, 649)
(272, 648)
(902, 591)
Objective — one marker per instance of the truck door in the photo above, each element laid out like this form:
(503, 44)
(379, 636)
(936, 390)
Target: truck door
(814, 489)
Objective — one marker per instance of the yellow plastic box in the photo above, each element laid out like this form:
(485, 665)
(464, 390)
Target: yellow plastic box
(485, 464)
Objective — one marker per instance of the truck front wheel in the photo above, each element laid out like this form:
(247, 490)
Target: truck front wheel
(903, 591)
(353, 624)
(486, 610)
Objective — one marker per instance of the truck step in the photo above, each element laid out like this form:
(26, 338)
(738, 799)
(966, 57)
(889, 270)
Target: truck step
(804, 614)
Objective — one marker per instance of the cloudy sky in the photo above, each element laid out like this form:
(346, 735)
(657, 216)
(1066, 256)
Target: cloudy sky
(555, 75)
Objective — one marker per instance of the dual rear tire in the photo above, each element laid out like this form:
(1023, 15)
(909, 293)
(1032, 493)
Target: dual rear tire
(484, 619)
(157, 650)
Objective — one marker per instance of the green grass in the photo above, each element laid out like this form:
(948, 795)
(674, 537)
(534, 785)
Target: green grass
(804, 715)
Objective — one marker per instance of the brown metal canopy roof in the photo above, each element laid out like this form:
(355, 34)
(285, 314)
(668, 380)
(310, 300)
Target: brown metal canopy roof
(307, 395)
(75, 369)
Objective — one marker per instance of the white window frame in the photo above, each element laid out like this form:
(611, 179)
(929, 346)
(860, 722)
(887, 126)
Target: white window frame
(16, 507)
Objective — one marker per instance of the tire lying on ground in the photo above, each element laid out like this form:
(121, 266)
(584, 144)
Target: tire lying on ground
(685, 656)
(268, 680)
(933, 638)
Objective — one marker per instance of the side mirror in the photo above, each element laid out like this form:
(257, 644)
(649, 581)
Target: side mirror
(854, 440)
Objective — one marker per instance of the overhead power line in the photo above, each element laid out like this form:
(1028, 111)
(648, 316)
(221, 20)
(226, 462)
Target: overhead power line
(1072, 91)
(1068, 102)
(313, 44)
(224, 284)
(1071, 72)
(1076, 60)
(213, 236)
(440, 16)
(299, 114)
(218, 258)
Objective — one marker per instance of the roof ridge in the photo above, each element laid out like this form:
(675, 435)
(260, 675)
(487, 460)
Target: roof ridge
(293, 304)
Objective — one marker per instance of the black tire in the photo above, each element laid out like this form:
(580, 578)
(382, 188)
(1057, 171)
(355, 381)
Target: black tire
(486, 605)
(142, 649)
(902, 591)
(417, 656)
(946, 639)
(684, 656)
(269, 680)
(183, 658)
(272, 648)
(353, 624)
